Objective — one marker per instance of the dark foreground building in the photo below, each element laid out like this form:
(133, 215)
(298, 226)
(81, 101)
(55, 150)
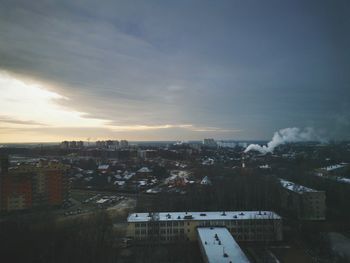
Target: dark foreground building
(30, 186)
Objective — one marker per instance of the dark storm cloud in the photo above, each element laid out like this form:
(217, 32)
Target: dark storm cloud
(253, 65)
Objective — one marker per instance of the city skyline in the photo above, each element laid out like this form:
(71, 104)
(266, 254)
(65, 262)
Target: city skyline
(183, 70)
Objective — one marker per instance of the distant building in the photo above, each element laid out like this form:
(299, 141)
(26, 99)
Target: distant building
(103, 168)
(65, 145)
(205, 181)
(303, 202)
(80, 144)
(109, 144)
(172, 226)
(142, 154)
(218, 246)
(29, 186)
(208, 161)
(143, 173)
(112, 145)
(72, 144)
(334, 168)
(124, 144)
(210, 143)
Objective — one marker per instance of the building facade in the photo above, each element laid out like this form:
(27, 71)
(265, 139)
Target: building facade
(172, 226)
(30, 186)
(302, 202)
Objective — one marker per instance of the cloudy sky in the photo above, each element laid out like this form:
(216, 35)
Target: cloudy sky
(172, 70)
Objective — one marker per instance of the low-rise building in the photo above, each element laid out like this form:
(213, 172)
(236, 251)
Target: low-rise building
(218, 246)
(303, 202)
(172, 226)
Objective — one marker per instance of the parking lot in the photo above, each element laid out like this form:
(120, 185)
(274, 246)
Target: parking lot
(86, 202)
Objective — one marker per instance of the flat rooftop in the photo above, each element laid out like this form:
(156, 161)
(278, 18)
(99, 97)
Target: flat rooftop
(219, 245)
(219, 215)
(296, 187)
(334, 167)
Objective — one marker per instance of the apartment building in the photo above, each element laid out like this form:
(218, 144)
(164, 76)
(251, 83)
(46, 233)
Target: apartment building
(303, 202)
(28, 186)
(172, 226)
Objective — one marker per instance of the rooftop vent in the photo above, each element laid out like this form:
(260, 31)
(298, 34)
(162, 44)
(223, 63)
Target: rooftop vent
(223, 213)
(241, 214)
(188, 217)
(136, 215)
(178, 217)
(202, 214)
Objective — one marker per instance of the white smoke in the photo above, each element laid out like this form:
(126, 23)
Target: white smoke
(283, 136)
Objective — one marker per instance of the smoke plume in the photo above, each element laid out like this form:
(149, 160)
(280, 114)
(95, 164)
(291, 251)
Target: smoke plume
(283, 136)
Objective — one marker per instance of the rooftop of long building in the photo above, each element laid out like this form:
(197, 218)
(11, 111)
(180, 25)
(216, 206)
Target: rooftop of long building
(218, 215)
(219, 245)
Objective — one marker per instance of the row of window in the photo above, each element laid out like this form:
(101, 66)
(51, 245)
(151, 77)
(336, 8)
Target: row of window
(175, 231)
(212, 223)
(168, 231)
(238, 237)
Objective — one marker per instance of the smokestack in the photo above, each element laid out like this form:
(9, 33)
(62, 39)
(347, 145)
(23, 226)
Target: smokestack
(283, 136)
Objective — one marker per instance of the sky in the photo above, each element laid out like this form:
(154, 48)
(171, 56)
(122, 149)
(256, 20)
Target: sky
(173, 70)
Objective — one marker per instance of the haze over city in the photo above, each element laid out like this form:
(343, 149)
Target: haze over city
(172, 70)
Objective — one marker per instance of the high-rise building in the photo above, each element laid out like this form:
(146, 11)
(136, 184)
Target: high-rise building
(29, 186)
(210, 143)
(65, 145)
(124, 144)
